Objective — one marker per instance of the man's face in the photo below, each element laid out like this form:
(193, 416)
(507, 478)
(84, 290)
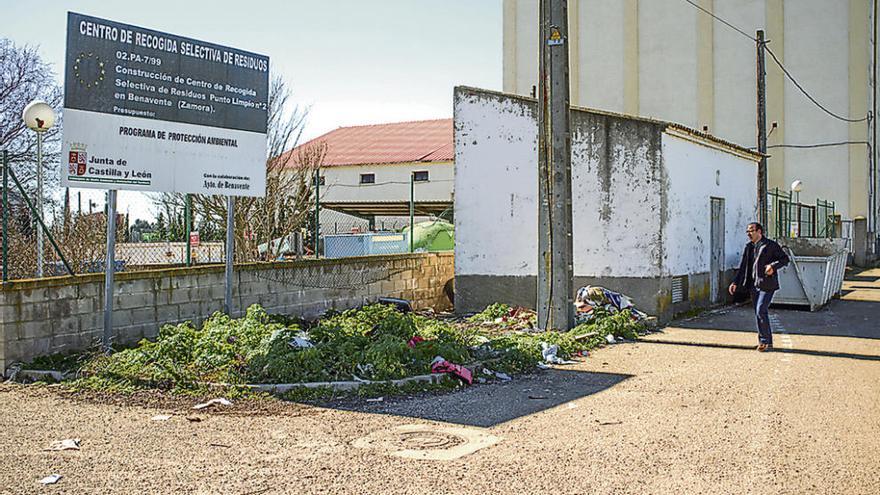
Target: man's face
(753, 233)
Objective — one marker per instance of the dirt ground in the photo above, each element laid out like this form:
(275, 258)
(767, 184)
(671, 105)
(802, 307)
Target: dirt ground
(693, 409)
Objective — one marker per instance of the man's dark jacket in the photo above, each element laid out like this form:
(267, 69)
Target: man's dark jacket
(755, 258)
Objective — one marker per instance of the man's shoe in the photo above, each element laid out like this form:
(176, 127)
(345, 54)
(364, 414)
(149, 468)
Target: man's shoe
(764, 347)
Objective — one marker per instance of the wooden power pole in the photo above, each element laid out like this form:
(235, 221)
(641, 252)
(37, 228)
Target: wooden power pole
(555, 258)
(762, 132)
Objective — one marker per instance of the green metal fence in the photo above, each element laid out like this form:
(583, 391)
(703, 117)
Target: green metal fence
(788, 217)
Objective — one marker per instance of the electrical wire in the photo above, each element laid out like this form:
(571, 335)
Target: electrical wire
(784, 70)
(818, 145)
(731, 26)
(385, 183)
(804, 91)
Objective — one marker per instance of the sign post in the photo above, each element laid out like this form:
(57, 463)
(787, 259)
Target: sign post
(109, 269)
(156, 112)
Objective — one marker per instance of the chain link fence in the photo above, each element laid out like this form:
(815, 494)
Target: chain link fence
(163, 242)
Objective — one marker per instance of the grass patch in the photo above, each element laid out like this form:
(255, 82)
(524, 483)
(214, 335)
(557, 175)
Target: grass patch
(376, 343)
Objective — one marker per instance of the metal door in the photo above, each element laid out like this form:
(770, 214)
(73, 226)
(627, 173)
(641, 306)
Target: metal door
(716, 249)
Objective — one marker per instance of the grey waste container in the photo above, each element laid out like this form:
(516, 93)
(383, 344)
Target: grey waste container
(815, 273)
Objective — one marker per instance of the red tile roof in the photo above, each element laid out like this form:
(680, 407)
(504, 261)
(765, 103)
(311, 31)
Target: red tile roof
(399, 142)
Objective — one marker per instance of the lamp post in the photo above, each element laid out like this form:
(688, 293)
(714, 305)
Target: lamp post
(796, 187)
(39, 117)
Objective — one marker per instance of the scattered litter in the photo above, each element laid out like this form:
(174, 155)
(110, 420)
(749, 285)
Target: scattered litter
(544, 366)
(415, 340)
(538, 397)
(377, 399)
(548, 352)
(69, 444)
(401, 305)
(300, 343)
(480, 379)
(364, 369)
(610, 338)
(194, 419)
(585, 336)
(440, 365)
(497, 374)
(606, 423)
(221, 401)
(161, 417)
(504, 377)
(572, 405)
(220, 445)
(51, 479)
(13, 372)
(591, 297)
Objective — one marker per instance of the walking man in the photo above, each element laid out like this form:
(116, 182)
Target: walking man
(761, 259)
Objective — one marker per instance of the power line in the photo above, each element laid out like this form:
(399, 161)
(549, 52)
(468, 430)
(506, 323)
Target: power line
(731, 26)
(386, 183)
(804, 91)
(819, 145)
(775, 59)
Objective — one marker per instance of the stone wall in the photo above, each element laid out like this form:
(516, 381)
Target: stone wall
(59, 314)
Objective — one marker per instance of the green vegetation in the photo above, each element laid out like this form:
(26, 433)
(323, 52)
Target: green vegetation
(375, 343)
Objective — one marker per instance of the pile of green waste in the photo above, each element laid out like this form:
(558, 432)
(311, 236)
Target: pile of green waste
(375, 343)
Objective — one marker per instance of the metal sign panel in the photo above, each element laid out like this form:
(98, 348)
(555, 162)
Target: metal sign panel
(151, 111)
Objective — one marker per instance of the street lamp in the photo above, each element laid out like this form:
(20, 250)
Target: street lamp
(797, 186)
(39, 117)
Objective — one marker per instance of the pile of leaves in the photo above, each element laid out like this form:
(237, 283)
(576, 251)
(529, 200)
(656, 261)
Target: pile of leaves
(375, 342)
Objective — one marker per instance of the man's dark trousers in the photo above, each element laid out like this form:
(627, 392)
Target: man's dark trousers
(760, 302)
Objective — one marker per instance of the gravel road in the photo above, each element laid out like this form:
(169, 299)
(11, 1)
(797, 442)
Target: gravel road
(688, 410)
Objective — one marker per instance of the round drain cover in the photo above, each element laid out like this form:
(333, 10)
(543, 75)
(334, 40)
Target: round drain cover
(425, 440)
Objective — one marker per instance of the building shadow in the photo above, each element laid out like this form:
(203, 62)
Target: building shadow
(838, 318)
(751, 348)
(488, 405)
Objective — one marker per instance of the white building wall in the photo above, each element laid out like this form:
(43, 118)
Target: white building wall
(816, 49)
(342, 183)
(735, 85)
(697, 173)
(814, 43)
(668, 61)
(601, 54)
(496, 183)
(617, 184)
(636, 213)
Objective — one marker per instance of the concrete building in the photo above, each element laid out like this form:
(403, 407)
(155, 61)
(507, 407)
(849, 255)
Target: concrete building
(367, 169)
(660, 210)
(668, 60)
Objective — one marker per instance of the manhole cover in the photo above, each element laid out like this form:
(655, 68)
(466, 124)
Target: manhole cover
(427, 441)
(422, 440)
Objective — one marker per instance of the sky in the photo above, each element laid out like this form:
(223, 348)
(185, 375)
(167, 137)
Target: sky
(349, 62)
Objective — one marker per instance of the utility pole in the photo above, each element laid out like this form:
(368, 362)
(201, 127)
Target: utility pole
(555, 271)
(762, 131)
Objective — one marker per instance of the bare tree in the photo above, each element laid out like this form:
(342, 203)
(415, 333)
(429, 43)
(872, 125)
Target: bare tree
(25, 77)
(289, 184)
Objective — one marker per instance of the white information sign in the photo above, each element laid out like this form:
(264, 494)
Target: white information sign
(150, 111)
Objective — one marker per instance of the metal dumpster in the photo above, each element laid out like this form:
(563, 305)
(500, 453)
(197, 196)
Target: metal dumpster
(815, 273)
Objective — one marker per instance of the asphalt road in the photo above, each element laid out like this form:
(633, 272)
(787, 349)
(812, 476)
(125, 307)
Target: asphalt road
(693, 409)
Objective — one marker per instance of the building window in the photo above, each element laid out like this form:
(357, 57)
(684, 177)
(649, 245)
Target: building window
(368, 178)
(421, 176)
